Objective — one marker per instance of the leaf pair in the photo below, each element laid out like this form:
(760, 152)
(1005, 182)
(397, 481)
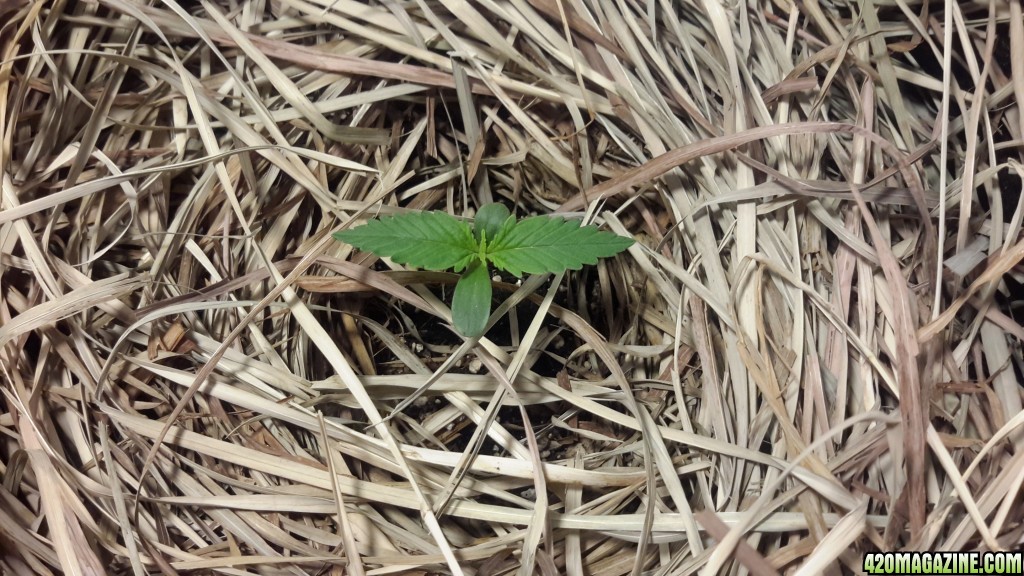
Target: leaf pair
(437, 241)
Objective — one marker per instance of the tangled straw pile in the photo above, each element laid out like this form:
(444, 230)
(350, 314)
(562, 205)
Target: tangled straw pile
(809, 353)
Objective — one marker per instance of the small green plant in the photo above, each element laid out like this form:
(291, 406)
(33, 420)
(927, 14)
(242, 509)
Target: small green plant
(437, 241)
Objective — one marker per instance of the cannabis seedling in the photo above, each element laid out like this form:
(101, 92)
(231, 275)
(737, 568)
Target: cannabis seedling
(437, 241)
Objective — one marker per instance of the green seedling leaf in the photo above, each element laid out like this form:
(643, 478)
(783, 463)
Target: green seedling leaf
(471, 304)
(437, 241)
(542, 244)
(430, 240)
(490, 219)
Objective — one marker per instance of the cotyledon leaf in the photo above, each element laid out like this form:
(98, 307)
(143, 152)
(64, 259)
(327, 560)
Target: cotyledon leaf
(471, 304)
(490, 219)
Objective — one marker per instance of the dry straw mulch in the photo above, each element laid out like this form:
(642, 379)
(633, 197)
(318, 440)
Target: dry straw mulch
(811, 351)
